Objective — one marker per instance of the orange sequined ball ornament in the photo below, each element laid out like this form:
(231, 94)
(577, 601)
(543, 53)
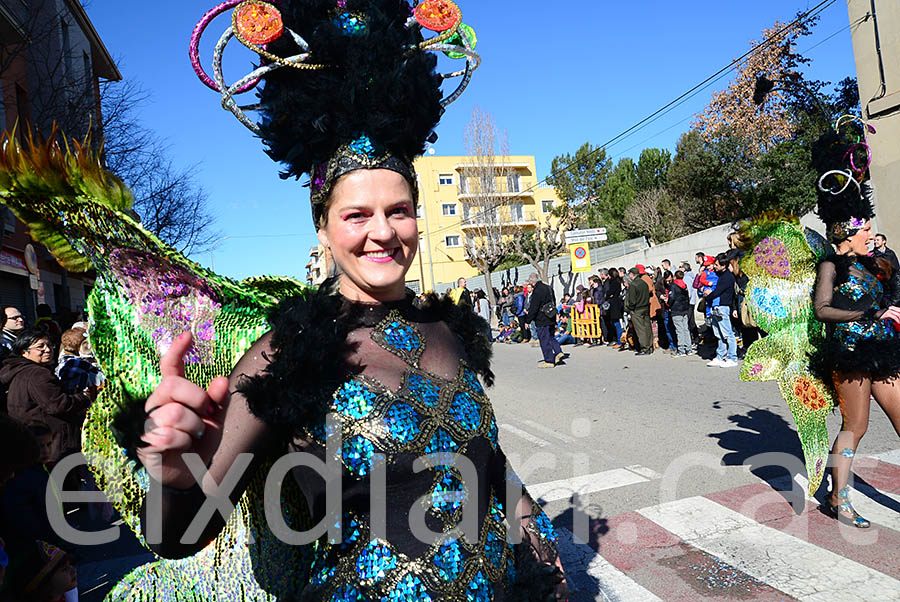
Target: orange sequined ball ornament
(438, 15)
(258, 22)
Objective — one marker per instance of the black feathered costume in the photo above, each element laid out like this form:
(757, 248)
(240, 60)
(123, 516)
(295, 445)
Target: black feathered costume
(851, 291)
(397, 383)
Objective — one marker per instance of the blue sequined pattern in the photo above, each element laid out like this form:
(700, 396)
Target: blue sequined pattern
(402, 422)
(479, 589)
(374, 561)
(409, 589)
(424, 390)
(449, 560)
(465, 411)
(427, 415)
(354, 400)
(449, 493)
(357, 455)
(402, 336)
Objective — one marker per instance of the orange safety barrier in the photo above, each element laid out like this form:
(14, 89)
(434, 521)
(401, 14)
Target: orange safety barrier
(586, 325)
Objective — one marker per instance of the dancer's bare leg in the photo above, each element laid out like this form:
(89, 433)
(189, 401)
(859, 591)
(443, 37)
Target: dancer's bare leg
(853, 391)
(887, 394)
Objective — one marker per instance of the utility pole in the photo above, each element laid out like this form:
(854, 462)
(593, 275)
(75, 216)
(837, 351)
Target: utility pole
(875, 27)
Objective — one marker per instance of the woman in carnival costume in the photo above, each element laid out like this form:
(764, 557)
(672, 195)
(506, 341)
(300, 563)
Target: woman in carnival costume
(861, 351)
(830, 311)
(380, 392)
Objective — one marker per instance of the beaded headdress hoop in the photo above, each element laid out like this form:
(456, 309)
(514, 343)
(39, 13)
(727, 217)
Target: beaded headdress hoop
(345, 84)
(842, 157)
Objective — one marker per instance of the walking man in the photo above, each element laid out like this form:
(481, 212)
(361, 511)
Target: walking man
(542, 311)
(637, 304)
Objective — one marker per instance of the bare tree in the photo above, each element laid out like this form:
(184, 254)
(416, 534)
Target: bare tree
(656, 215)
(546, 241)
(42, 52)
(169, 202)
(488, 220)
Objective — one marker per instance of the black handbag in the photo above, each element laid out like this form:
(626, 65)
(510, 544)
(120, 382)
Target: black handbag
(548, 310)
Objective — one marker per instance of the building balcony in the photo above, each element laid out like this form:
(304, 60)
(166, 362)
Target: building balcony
(468, 192)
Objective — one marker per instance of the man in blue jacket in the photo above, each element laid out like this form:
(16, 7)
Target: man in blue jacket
(719, 300)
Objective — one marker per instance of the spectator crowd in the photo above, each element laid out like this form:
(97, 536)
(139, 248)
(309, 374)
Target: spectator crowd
(48, 380)
(642, 309)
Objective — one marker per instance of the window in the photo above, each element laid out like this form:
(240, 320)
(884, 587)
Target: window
(517, 213)
(86, 60)
(546, 206)
(512, 182)
(463, 185)
(445, 179)
(452, 241)
(448, 208)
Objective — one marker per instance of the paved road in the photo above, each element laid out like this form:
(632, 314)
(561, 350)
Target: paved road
(677, 507)
(672, 506)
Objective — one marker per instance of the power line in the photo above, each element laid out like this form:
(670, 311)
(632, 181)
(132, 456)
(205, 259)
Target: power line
(673, 104)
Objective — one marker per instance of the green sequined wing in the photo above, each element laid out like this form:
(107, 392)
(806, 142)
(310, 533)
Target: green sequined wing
(782, 271)
(145, 294)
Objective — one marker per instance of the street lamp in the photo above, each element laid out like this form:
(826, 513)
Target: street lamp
(212, 247)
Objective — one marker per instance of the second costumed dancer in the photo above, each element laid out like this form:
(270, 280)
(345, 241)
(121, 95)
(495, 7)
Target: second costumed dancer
(830, 311)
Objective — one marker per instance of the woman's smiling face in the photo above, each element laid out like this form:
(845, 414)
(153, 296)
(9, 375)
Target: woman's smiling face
(372, 233)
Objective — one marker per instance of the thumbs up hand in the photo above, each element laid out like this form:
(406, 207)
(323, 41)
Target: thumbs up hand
(180, 414)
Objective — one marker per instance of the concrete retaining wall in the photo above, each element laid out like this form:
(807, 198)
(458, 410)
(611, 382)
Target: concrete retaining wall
(625, 254)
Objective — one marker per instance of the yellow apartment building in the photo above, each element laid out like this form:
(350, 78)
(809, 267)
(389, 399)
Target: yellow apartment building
(447, 223)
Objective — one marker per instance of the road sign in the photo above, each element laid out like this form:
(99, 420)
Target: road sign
(586, 231)
(571, 240)
(581, 258)
(586, 235)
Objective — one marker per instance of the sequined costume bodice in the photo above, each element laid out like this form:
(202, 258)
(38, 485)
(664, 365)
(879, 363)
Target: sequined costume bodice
(415, 412)
(856, 296)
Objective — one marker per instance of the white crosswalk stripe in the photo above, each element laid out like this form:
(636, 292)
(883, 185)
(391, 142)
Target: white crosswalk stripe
(592, 577)
(891, 457)
(563, 489)
(524, 435)
(796, 567)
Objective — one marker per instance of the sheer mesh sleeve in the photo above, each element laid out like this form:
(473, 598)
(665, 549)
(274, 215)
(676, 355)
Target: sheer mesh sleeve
(539, 538)
(241, 432)
(824, 310)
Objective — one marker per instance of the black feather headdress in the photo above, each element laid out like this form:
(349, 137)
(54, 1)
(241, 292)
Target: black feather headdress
(843, 187)
(345, 84)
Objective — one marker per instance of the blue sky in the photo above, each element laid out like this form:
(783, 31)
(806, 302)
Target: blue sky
(555, 75)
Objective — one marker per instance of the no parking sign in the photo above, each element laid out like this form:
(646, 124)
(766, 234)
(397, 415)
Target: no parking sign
(581, 257)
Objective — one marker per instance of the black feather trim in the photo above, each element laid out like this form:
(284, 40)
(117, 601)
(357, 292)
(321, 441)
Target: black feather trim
(309, 336)
(471, 329)
(842, 265)
(829, 153)
(878, 358)
(375, 84)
